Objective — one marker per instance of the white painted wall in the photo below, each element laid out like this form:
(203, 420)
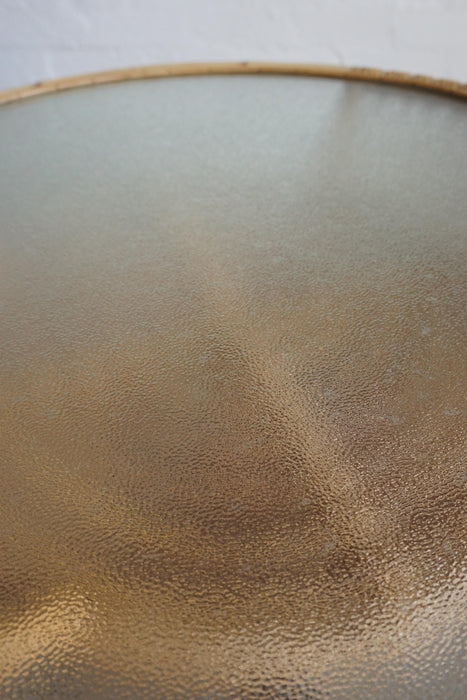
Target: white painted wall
(42, 39)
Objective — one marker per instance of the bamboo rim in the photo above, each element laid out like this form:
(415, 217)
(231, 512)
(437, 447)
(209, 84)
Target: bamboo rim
(373, 75)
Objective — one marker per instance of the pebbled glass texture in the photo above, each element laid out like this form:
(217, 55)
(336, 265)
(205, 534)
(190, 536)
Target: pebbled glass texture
(232, 344)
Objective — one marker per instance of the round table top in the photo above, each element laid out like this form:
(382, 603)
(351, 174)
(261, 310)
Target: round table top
(232, 366)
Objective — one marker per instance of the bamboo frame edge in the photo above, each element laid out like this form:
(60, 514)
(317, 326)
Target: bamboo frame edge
(374, 75)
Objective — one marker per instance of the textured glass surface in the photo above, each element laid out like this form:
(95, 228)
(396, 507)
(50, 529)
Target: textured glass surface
(232, 408)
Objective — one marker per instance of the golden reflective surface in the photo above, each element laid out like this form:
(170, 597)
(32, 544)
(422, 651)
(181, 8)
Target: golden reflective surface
(232, 345)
